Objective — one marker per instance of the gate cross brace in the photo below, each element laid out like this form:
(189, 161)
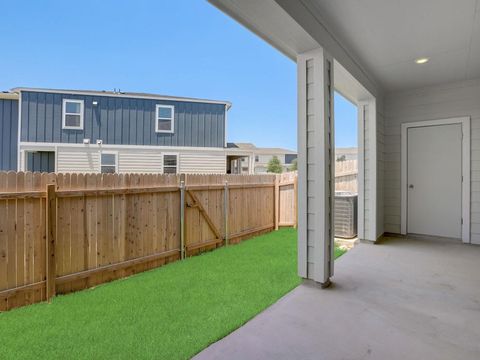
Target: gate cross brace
(197, 203)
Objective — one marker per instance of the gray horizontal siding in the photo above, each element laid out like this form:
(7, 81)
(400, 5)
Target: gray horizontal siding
(125, 121)
(8, 134)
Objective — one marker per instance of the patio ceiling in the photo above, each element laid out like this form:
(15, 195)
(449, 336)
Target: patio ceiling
(377, 41)
(387, 37)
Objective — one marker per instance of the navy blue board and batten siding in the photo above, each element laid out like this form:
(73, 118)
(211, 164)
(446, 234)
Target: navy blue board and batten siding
(121, 121)
(9, 134)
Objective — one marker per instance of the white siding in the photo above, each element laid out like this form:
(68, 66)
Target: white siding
(310, 168)
(84, 159)
(315, 233)
(367, 178)
(203, 163)
(380, 173)
(371, 223)
(436, 102)
(140, 161)
(77, 160)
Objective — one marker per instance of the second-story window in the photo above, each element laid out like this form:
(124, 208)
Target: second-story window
(72, 114)
(164, 118)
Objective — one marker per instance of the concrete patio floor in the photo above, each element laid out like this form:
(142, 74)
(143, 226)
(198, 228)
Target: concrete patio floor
(405, 298)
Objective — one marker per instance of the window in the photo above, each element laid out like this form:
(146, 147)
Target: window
(164, 118)
(256, 158)
(72, 114)
(170, 162)
(108, 163)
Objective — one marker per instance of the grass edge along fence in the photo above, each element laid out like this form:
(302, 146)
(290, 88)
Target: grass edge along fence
(61, 233)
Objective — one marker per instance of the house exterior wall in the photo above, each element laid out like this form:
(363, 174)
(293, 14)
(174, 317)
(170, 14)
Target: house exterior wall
(79, 158)
(263, 159)
(437, 102)
(121, 120)
(202, 163)
(8, 134)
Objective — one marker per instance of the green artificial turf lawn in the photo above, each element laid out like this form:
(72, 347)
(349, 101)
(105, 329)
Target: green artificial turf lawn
(172, 312)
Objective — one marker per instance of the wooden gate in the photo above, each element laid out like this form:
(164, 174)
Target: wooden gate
(226, 208)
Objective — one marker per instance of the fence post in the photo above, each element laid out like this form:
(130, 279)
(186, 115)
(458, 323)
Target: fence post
(51, 233)
(295, 201)
(182, 216)
(277, 201)
(225, 211)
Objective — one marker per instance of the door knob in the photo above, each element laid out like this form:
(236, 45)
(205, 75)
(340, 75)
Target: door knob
(410, 186)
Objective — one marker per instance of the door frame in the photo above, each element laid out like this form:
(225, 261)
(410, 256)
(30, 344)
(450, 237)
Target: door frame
(26, 149)
(465, 122)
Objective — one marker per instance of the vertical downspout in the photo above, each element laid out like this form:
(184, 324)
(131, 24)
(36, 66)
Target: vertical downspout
(19, 130)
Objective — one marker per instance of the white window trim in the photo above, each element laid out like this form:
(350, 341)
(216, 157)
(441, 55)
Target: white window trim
(116, 160)
(163, 161)
(64, 114)
(157, 111)
(23, 156)
(465, 122)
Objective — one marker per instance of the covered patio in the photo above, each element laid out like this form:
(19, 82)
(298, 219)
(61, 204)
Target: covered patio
(405, 298)
(412, 68)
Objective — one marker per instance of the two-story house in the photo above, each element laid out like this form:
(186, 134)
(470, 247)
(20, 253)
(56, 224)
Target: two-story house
(256, 159)
(102, 131)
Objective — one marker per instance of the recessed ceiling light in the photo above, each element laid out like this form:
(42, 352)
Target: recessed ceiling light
(423, 60)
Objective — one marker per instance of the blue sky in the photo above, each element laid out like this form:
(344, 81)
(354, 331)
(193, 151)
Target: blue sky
(183, 48)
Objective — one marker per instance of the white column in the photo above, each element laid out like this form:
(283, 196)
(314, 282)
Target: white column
(367, 170)
(315, 159)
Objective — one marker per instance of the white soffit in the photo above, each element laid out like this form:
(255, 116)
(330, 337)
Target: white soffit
(387, 37)
(269, 21)
(278, 22)
(348, 86)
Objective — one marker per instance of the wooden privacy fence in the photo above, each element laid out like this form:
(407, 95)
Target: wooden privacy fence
(65, 232)
(346, 175)
(287, 199)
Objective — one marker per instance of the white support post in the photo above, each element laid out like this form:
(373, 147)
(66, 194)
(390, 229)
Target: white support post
(315, 165)
(367, 179)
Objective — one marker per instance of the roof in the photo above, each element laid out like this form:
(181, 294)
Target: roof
(124, 94)
(248, 146)
(6, 95)
(259, 150)
(348, 150)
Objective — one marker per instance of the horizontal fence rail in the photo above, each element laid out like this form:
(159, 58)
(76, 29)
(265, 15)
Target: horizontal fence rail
(61, 233)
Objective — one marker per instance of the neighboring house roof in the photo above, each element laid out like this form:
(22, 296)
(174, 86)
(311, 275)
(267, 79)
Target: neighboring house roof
(6, 95)
(123, 94)
(242, 146)
(347, 150)
(259, 150)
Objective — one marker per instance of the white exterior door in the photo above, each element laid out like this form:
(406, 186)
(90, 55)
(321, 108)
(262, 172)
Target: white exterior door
(434, 180)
